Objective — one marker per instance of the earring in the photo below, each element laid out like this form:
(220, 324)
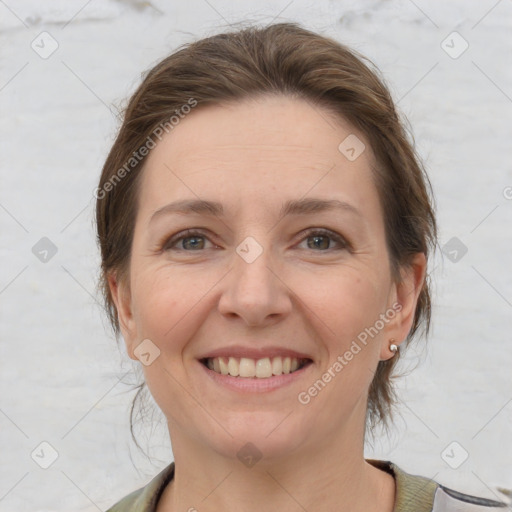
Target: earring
(392, 346)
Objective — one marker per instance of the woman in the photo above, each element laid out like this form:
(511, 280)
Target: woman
(265, 228)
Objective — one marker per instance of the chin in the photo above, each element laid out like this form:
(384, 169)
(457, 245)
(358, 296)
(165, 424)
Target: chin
(259, 436)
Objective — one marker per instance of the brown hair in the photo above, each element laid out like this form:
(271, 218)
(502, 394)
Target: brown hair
(289, 60)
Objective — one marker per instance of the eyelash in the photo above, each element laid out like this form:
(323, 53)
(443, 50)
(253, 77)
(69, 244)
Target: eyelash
(169, 243)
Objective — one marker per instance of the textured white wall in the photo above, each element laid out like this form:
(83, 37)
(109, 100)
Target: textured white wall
(63, 380)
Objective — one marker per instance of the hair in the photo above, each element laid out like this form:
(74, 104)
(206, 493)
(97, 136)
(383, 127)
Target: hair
(283, 59)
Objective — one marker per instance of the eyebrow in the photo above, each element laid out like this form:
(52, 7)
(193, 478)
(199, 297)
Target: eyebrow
(291, 207)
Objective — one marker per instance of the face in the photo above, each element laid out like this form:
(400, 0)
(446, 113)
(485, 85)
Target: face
(248, 281)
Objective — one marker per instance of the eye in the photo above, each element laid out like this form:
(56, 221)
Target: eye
(193, 240)
(320, 240)
(193, 235)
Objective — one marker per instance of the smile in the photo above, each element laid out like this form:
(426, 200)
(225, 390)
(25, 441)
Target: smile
(263, 368)
(251, 383)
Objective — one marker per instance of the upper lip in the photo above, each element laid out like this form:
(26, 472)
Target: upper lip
(254, 353)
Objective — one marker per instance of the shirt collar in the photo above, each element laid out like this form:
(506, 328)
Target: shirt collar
(413, 493)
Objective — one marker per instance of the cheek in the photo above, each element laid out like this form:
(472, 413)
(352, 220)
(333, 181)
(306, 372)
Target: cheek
(352, 305)
(156, 304)
(347, 301)
(172, 301)
(167, 302)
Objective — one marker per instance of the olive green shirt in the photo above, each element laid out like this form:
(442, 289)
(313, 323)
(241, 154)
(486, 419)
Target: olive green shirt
(413, 493)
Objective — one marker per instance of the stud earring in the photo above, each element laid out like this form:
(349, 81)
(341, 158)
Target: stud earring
(392, 346)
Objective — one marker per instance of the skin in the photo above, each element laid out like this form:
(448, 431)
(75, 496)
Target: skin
(252, 156)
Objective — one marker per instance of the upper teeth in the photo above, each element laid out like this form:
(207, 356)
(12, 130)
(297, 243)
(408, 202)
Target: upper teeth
(245, 367)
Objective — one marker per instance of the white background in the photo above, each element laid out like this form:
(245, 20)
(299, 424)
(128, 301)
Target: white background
(63, 379)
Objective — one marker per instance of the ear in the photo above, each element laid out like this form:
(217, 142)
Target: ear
(121, 296)
(405, 294)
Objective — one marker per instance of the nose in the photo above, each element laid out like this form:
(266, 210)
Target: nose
(254, 290)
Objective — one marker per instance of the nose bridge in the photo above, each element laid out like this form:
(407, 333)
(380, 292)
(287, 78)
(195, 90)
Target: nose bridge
(254, 292)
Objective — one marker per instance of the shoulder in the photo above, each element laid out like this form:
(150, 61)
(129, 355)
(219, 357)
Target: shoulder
(145, 499)
(450, 500)
(129, 503)
(416, 493)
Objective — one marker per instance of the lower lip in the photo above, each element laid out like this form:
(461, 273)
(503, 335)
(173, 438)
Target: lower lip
(254, 384)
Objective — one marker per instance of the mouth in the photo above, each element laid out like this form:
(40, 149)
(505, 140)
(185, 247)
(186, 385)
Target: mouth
(247, 368)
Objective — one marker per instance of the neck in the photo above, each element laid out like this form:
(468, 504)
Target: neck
(332, 475)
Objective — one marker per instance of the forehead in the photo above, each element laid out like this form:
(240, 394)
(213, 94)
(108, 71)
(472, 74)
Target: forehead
(260, 147)
(274, 124)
